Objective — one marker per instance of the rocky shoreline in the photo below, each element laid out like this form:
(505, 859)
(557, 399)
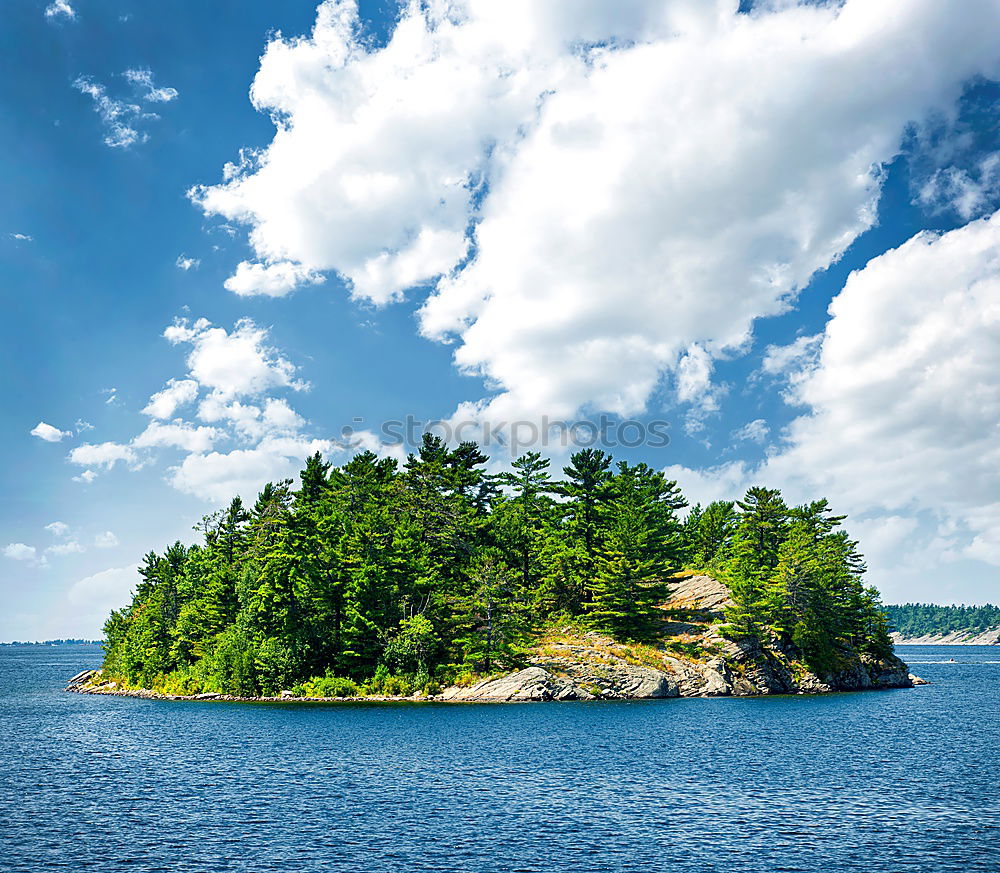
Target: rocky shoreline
(990, 637)
(695, 660)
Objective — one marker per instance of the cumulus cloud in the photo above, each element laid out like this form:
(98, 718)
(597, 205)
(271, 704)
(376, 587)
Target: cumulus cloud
(97, 595)
(49, 433)
(597, 193)
(106, 540)
(218, 476)
(178, 434)
(57, 528)
(233, 364)
(269, 280)
(177, 393)
(72, 547)
(185, 263)
(103, 455)
(905, 402)
(60, 9)
(229, 394)
(902, 420)
(19, 552)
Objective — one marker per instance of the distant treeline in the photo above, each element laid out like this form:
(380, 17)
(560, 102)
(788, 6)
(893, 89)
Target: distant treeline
(920, 619)
(54, 643)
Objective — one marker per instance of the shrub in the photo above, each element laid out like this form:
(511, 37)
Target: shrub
(179, 682)
(431, 688)
(396, 686)
(328, 686)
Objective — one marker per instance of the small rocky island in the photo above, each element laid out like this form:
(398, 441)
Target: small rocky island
(692, 660)
(439, 580)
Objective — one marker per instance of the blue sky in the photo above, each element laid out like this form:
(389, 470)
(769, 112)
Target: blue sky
(650, 212)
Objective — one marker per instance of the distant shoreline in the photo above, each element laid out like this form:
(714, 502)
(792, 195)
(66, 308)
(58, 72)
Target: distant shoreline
(26, 644)
(953, 638)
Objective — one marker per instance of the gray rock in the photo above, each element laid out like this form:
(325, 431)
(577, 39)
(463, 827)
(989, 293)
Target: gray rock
(532, 683)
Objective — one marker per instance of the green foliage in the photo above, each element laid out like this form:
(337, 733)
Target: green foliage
(796, 578)
(327, 686)
(390, 580)
(920, 619)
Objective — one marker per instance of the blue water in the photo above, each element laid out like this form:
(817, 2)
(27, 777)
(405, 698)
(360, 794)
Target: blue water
(902, 780)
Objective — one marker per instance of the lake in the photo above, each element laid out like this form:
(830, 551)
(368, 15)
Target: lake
(902, 780)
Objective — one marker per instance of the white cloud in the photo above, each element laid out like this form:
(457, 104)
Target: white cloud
(233, 364)
(118, 115)
(106, 540)
(22, 237)
(99, 594)
(68, 548)
(251, 421)
(86, 477)
(905, 401)
(217, 476)
(143, 80)
(177, 393)
(49, 433)
(236, 374)
(902, 429)
(633, 201)
(59, 9)
(969, 192)
(185, 263)
(178, 434)
(123, 118)
(104, 455)
(270, 280)
(753, 431)
(792, 358)
(57, 528)
(19, 552)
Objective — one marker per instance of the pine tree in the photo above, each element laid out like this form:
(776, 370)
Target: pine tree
(641, 549)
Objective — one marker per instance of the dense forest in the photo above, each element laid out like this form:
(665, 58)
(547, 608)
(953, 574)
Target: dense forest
(376, 577)
(918, 619)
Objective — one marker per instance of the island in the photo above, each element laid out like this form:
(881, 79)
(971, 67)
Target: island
(438, 580)
(936, 625)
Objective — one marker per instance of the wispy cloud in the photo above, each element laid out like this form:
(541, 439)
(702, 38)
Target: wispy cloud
(143, 79)
(186, 263)
(123, 117)
(22, 237)
(117, 115)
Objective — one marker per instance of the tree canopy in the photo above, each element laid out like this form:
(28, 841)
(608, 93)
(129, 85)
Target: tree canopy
(400, 577)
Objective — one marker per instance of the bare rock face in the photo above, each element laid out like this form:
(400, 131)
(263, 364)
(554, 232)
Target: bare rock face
(700, 593)
(613, 679)
(711, 679)
(532, 683)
